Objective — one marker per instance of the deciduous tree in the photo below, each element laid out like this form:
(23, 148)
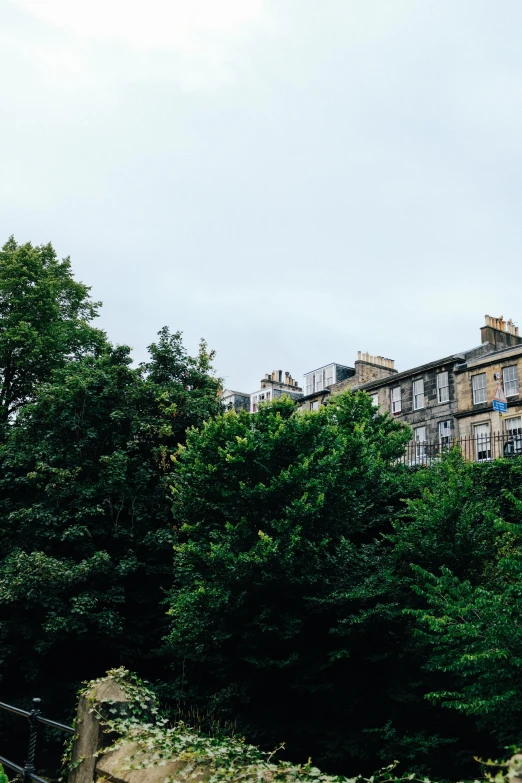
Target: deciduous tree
(45, 320)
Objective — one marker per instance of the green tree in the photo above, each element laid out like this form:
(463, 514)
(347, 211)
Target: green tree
(279, 571)
(470, 612)
(85, 524)
(44, 321)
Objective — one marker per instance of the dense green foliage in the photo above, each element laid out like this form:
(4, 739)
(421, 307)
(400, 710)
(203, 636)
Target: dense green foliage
(85, 524)
(143, 739)
(471, 617)
(44, 320)
(282, 571)
(294, 603)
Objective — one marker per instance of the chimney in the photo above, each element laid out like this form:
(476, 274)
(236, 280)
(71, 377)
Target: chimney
(379, 361)
(370, 368)
(499, 333)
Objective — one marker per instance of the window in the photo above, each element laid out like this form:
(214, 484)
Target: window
(396, 399)
(375, 399)
(314, 406)
(479, 388)
(444, 433)
(418, 394)
(420, 443)
(442, 387)
(514, 427)
(510, 378)
(330, 375)
(482, 441)
(319, 379)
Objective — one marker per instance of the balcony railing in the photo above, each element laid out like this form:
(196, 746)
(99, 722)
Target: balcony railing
(479, 449)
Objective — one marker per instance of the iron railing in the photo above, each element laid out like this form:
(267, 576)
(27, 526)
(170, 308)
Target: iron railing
(483, 448)
(28, 771)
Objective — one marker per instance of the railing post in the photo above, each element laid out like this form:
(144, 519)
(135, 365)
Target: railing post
(29, 766)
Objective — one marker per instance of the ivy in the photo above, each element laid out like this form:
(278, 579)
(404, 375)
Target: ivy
(154, 743)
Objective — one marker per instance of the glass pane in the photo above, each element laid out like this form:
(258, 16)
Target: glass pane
(483, 442)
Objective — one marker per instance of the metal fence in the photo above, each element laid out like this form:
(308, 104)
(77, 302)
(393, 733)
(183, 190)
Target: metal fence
(480, 449)
(28, 771)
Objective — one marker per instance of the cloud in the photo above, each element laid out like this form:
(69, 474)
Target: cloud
(166, 24)
(192, 42)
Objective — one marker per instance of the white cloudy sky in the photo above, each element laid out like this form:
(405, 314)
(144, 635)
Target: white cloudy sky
(294, 180)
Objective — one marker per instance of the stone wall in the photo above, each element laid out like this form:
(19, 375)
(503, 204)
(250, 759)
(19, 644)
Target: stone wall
(364, 373)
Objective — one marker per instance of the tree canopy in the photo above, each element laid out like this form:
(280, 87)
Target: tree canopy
(283, 571)
(278, 568)
(45, 320)
(85, 525)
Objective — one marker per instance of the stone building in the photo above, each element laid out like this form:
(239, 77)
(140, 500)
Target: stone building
(477, 382)
(317, 384)
(451, 397)
(239, 401)
(274, 385)
(443, 401)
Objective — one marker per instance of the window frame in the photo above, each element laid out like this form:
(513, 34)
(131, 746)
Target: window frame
(417, 394)
(394, 401)
(483, 440)
(374, 396)
(443, 438)
(420, 445)
(514, 380)
(509, 432)
(442, 388)
(477, 388)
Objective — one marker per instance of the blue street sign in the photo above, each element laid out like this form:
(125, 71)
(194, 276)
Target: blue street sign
(500, 406)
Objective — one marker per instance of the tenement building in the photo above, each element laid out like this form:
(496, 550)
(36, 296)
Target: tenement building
(274, 385)
(317, 384)
(477, 383)
(453, 397)
(239, 401)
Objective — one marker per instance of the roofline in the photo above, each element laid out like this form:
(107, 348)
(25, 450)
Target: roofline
(393, 379)
(233, 391)
(346, 367)
(492, 355)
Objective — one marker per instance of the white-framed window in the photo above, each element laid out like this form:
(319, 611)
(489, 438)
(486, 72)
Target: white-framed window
(445, 434)
(396, 399)
(330, 374)
(478, 383)
(482, 442)
(510, 380)
(418, 394)
(514, 427)
(317, 380)
(442, 387)
(315, 405)
(420, 443)
(375, 399)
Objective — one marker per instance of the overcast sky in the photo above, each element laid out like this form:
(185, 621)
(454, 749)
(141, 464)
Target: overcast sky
(294, 180)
